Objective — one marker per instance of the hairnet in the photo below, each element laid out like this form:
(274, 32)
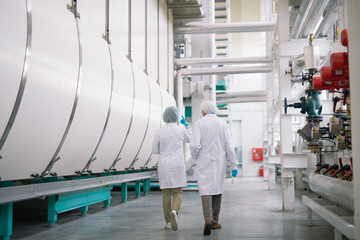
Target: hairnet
(171, 114)
(209, 107)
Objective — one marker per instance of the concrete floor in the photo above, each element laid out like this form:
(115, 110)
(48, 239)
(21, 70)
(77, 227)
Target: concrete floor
(249, 211)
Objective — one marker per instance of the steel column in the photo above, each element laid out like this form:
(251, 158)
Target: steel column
(287, 178)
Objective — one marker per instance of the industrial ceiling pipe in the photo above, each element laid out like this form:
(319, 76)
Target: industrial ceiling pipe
(328, 20)
(213, 71)
(222, 61)
(242, 100)
(242, 94)
(313, 16)
(225, 28)
(299, 19)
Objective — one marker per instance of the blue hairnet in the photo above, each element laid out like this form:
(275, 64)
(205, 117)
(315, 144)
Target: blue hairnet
(171, 114)
(209, 107)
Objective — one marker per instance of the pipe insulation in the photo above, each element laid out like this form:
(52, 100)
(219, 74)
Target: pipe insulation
(222, 61)
(299, 21)
(70, 101)
(181, 73)
(333, 189)
(226, 28)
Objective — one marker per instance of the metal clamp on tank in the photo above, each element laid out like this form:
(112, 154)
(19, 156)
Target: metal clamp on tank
(112, 167)
(47, 171)
(86, 169)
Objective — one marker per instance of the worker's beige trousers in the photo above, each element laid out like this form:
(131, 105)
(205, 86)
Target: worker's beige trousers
(176, 202)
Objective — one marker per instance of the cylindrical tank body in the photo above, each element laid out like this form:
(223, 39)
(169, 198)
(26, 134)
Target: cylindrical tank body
(70, 101)
(312, 57)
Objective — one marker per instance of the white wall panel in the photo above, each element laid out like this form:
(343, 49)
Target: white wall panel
(12, 55)
(49, 93)
(154, 124)
(138, 33)
(152, 39)
(140, 118)
(94, 95)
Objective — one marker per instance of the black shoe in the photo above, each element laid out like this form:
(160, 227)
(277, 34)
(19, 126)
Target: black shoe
(207, 227)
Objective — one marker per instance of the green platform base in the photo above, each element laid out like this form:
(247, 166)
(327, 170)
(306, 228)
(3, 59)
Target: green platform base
(6, 215)
(81, 199)
(124, 188)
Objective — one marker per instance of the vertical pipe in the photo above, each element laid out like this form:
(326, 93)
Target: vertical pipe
(167, 48)
(158, 43)
(129, 31)
(146, 44)
(107, 16)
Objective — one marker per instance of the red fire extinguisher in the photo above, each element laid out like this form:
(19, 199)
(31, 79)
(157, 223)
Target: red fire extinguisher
(261, 171)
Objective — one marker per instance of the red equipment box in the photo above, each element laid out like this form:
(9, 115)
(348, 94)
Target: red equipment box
(257, 154)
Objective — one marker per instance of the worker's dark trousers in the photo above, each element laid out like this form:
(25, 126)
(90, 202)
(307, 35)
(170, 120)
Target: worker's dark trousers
(211, 207)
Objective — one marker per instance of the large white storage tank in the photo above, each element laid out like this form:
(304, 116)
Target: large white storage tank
(70, 101)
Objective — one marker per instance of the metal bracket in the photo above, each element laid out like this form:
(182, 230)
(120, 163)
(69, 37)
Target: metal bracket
(106, 37)
(130, 169)
(133, 162)
(49, 167)
(128, 56)
(87, 166)
(73, 8)
(112, 167)
(145, 165)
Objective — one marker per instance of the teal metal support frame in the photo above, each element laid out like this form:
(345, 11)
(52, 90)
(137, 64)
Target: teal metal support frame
(137, 188)
(80, 199)
(146, 186)
(6, 218)
(6, 215)
(124, 189)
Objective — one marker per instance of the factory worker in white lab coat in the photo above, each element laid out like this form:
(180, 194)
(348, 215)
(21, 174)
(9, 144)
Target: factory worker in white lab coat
(211, 147)
(168, 142)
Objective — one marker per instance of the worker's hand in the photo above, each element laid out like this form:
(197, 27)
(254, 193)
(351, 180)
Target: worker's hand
(234, 173)
(183, 121)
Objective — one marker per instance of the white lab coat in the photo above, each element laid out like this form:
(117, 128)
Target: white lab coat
(168, 142)
(211, 147)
